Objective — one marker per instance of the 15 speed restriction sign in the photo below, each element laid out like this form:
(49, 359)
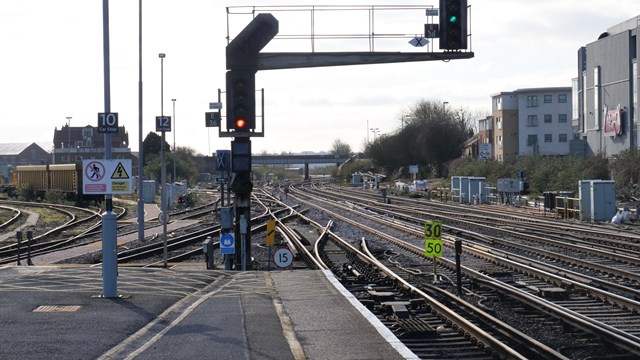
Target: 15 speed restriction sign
(433, 238)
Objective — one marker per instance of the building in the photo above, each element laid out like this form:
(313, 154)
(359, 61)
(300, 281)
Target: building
(485, 138)
(12, 155)
(74, 144)
(606, 91)
(531, 121)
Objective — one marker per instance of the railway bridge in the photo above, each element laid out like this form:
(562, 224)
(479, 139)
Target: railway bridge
(305, 160)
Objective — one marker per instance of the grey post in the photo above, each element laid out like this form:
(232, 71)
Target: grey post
(163, 168)
(109, 227)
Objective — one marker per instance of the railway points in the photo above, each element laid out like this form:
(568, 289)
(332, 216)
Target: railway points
(31, 221)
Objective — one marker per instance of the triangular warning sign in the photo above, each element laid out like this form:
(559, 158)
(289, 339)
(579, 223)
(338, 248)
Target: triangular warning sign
(119, 172)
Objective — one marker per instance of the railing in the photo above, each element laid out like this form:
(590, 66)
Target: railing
(568, 208)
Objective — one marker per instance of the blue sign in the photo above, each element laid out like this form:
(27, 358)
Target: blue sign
(223, 158)
(227, 242)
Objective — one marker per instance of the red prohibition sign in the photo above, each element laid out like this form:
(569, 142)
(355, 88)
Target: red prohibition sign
(95, 171)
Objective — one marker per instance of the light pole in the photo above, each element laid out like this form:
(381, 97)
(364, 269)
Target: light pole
(367, 132)
(444, 106)
(140, 142)
(375, 131)
(69, 138)
(174, 140)
(163, 169)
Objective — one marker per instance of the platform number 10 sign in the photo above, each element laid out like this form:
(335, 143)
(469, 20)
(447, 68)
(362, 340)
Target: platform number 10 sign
(108, 123)
(433, 238)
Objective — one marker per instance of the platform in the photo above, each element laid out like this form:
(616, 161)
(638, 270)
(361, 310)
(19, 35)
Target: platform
(186, 313)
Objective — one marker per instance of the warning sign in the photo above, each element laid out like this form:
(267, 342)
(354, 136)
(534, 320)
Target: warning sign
(120, 172)
(121, 186)
(94, 171)
(95, 178)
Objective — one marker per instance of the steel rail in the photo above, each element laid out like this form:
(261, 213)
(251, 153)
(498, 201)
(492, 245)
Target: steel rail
(621, 338)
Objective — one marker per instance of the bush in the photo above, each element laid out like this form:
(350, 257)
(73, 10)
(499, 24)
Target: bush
(26, 193)
(54, 197)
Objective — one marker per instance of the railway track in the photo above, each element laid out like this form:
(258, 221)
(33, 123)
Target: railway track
(529, 286)
(76, 230)
(426, 325)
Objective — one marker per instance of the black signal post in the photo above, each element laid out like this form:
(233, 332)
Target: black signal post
(242, 65)
(453, 24)
(241, 93)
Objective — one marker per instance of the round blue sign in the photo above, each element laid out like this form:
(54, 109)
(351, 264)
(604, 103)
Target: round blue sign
(226, 240)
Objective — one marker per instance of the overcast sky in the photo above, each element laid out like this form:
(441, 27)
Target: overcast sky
(51, 66)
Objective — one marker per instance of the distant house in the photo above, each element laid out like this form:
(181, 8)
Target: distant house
(531, 121)
(21, 154)
(73, 144)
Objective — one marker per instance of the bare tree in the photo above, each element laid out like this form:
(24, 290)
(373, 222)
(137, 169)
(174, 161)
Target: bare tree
(340, 148)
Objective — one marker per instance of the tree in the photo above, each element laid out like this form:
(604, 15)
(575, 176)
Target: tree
(151, 146)
(431, 136)
(340, 148)
(186, 168)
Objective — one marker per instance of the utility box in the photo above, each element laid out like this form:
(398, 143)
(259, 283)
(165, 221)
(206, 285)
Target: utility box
(149, 191)
(356, 180)
(466, 188)
(584, 193)
(455, 185)
(603, 200)
(476, 189)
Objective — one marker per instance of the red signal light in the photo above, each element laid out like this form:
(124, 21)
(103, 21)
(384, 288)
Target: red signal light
(240, 123)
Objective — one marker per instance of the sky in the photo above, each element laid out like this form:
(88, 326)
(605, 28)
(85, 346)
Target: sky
(51, 66)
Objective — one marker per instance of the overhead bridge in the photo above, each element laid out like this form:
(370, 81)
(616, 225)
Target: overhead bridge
(300, 160)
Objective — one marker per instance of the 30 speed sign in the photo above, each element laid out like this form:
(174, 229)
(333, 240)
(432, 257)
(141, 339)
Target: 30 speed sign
(433, 238)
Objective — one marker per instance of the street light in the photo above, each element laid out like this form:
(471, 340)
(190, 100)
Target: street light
(404, 116)
(444, 106)
(163, 169)
(69, 138)
(174, 140)
(374, 131)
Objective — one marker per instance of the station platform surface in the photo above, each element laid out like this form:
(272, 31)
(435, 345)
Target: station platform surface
(57, 312)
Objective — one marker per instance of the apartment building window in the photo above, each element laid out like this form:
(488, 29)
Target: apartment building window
(547, 118)
(634, 81)
(562, 98)
(548, 99)
(532, 120)
(562, 138)
(596, 96)
(562, 118)
(532, 140)
(499, 123)
(548, 138)
(532, 101)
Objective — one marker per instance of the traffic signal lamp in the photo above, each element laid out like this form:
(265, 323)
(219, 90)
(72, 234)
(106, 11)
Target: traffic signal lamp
(453, 24)
(241, 103)
(181, 200)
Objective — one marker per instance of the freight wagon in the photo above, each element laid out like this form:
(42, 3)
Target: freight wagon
(42, 178)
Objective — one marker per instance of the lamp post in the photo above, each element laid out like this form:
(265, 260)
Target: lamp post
(444, 106)
(163, 169)
(69, 138)
(174, 140)
(375, 131)
(140, 141)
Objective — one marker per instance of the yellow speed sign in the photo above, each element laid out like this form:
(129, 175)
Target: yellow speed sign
(433, 238)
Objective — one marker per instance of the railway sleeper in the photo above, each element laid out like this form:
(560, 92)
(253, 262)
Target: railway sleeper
(413, 328)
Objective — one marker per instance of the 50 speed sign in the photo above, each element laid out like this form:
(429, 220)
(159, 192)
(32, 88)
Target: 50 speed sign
(433, 238)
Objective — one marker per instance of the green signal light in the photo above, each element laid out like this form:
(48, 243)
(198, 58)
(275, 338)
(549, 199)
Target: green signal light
(453, 19)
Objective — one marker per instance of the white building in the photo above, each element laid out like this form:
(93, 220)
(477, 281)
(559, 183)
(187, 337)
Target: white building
(531, 121)
(606, 91)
